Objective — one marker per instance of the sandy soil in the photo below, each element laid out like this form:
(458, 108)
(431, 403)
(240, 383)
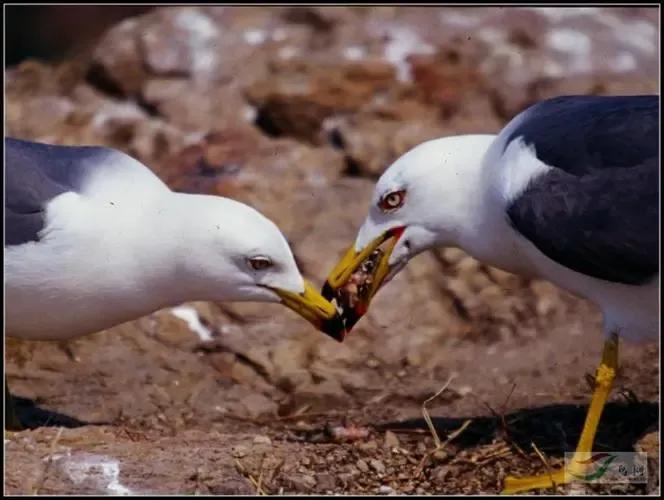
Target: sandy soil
(297, 112)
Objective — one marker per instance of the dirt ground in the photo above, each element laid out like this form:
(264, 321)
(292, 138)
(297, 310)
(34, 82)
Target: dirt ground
(297, 111)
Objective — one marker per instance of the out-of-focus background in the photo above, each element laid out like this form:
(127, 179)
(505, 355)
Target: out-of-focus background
(54, 32)
(296, 111)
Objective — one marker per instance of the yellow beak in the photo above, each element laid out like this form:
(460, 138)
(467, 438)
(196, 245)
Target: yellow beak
(310, 304)
(348, 265)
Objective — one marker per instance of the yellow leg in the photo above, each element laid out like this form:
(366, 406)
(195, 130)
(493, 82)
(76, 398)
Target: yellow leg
(603, 382)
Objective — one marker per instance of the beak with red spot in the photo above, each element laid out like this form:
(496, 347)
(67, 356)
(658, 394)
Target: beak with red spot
(343, 271)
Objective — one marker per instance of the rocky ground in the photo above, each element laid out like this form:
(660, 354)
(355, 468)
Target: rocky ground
(297, 111)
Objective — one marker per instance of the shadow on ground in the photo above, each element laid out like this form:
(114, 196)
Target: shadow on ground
(31, 416)
(554, 429)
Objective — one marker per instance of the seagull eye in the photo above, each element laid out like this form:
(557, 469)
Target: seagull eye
(392, 200)
(259, 263)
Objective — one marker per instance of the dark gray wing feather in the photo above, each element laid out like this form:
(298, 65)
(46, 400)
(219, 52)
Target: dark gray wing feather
(35, 174)
(580, 134)
(597, 210)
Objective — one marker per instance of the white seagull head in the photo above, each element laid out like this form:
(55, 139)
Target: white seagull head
(426, 198)
(231, 252)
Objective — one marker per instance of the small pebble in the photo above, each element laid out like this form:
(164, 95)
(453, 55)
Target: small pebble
(303, 482)
(372, 363)
(326, 481)
(239, 451)
(345, 477)
(440, 474)
(391, 440)
(414, 359)
(377, 465)
(368, 446)
(464, 390)
(262, 440)
(386, 490)
(362, 465)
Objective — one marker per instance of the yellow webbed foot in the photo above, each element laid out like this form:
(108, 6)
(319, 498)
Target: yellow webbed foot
(528, 483)
(603, 382)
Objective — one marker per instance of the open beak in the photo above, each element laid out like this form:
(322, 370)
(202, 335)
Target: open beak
(311, 306)
(348, 265)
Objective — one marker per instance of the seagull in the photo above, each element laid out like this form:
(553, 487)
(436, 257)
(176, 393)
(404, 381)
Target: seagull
(568, 192)
(93, 238)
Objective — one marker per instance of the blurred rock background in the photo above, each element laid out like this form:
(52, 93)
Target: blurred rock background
(296, 111)
(53, 32)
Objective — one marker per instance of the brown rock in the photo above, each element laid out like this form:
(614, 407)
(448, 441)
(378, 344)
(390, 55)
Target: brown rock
(174, 331)
(117, 64)
(166, 49)
(325, 481)
(296, 99)
(450, 77)
(244, 374)
(324, 395)
(239, 451)
(377, 465)
(362, 466)
(368, 445)
(391, 440)
(223, 362)
(258, 405)
(262, 440)
(302, 482)
(197, 106)
(649, 444)
(440, 474)
(373, 139)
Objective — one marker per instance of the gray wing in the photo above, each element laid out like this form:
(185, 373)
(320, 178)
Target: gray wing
(581, 134)
(597, 210)
(35, 174)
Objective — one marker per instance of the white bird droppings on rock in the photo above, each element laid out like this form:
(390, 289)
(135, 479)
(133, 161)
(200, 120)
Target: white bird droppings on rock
(354, 53)
(255, 37)
(201, 41)
(638, 34)
(102, 471)
(575, 44)
(404, 42)
(249, 113)
(193, 320)
(623, 62)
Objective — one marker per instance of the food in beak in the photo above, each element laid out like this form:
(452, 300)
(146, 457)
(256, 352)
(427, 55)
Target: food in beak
(352, 298)
(352, 284)
(357, 290)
